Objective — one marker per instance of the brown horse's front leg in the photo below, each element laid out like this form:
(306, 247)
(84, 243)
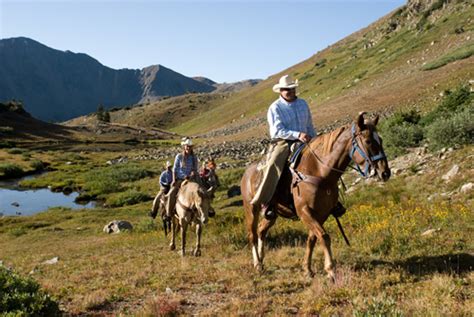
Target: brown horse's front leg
(310, 243)
(263, 227)
(317, 229)
(251, 220)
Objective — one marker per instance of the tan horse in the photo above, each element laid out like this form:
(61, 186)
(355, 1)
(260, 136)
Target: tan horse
(313, 186)
(193, 205)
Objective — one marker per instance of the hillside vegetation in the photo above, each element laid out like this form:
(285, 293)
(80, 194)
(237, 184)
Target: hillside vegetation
(404, 60)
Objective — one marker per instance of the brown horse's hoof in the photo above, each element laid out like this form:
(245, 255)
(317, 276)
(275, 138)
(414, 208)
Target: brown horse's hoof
(309, 274)
(197, 252)
(172, 247)
(182, 253)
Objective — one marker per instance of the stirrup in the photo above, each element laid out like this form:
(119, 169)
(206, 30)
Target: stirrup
(268, 212)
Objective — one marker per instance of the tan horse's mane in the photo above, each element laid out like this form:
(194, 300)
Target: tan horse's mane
(325, 142)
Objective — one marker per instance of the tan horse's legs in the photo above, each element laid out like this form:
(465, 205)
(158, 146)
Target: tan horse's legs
(317, 229)
(197, 251)
(174, 226)
(310, 243)
(184, 227)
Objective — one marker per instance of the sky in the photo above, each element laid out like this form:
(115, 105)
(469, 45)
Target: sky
(225, 41)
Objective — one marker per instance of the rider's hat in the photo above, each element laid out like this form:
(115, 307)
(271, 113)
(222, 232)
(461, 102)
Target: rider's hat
(186, 141)
(285, 82)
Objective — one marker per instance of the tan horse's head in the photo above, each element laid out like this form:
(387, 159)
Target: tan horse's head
(367, 148)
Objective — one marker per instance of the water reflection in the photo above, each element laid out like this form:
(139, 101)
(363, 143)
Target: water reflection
(14, 201)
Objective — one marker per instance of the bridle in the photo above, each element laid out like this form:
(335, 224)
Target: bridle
(369, 160)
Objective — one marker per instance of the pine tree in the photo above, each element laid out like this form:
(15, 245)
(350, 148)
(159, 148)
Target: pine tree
(100, 113)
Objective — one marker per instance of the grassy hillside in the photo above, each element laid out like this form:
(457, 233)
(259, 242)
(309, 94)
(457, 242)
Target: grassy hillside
(405, 59)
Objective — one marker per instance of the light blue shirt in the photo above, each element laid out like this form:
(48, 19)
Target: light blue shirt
(183, 169)
(166, 178)
(288, 119)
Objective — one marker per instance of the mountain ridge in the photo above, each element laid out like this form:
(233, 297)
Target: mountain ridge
(58, 85)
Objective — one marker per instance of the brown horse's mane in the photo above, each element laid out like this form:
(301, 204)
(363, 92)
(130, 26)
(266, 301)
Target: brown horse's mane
(325, 142)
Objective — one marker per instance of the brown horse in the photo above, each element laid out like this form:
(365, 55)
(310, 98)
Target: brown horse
(312, 186)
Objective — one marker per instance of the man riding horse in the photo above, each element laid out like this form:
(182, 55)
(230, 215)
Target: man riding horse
(290, 121)
(308, 189)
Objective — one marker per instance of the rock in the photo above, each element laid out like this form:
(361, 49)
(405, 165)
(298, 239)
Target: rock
(466, 188)
(15, 204)
(117, 226)
(452, 172)
(168, 291)
(430, 232)
(233, 191)
(52, 261)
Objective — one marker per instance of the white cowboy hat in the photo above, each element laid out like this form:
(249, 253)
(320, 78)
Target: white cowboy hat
(186, 141)
(168, 164)
(285, 82)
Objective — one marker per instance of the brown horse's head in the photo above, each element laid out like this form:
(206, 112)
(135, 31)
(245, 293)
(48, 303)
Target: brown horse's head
(367, 150)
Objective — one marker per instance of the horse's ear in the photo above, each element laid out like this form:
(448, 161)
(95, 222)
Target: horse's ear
(376, 120)
(360, 120)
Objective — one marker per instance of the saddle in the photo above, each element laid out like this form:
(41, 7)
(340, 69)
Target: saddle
(283, 198)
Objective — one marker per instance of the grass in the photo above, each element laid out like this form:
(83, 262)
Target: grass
(390, 269)
(458, 54)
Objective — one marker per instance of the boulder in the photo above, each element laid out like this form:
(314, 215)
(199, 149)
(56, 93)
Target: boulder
(452, 172)
(429, 232)
(52, 261)
(466, 188)
(117, 226)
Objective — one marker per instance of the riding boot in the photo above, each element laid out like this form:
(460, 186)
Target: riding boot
(268, 211)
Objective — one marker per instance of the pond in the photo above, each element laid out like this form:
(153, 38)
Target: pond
(17, 201)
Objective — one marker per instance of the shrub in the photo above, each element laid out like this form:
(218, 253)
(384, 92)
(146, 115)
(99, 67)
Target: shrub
(7, 144)
(457, 129)
(401, 131)
(10, 170)
(129, 197)
(21, 296)
(16, 150)
(37, 165)
(454, 102)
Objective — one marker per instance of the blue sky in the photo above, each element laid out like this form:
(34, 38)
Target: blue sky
(225, 41)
